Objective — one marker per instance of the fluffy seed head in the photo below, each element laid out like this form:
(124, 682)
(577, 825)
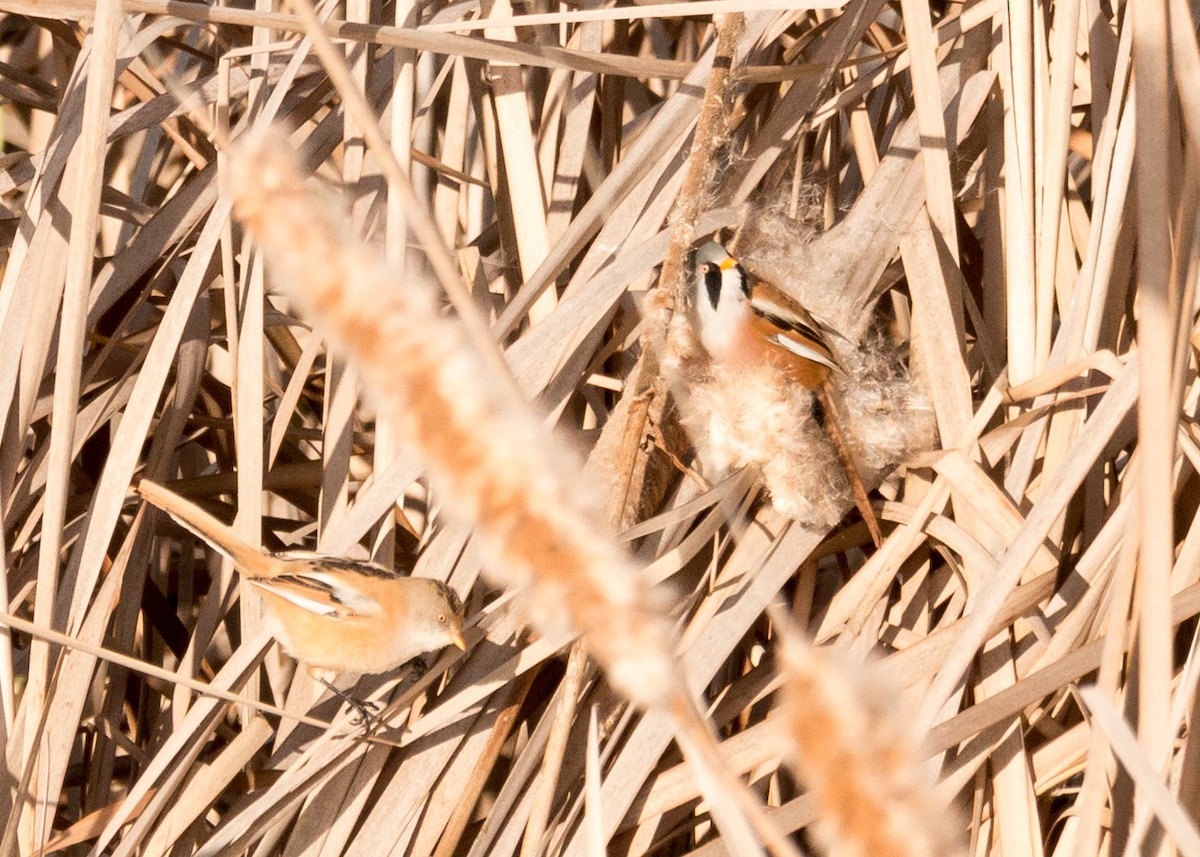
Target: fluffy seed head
(851, 745)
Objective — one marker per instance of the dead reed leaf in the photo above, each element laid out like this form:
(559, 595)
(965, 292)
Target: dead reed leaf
(969, 171)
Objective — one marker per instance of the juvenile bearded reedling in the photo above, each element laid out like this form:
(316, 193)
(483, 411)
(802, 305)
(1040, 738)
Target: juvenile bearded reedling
(332, 615)
(749, 326)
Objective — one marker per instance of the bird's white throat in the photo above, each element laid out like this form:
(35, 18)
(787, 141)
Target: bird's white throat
(721, 325)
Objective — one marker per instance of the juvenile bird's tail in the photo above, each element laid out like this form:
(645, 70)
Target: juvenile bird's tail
(220, 537)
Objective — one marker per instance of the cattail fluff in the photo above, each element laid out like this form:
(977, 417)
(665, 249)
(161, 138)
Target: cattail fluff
(887, 413)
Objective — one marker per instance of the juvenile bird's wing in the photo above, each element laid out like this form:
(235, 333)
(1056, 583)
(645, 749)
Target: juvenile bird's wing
(323, 585)
(326, 585)
(219, 536)
(795, 329)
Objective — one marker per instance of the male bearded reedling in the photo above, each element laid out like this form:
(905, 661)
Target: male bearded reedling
(746, 324)
(332, 615)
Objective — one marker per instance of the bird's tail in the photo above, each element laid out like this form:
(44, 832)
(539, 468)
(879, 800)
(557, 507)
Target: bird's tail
(219, 536)
(834, 427)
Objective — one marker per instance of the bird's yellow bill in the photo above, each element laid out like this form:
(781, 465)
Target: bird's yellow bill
(727, 263)
(458, 640)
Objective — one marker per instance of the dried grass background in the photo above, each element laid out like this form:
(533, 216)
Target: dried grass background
(966, 173)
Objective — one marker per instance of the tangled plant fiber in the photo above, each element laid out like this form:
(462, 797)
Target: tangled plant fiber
(756, 419)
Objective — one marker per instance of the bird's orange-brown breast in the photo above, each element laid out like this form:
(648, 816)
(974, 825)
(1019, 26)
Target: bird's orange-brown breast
(367, 637)
(341, 645)
(751, 346)
(369, 644)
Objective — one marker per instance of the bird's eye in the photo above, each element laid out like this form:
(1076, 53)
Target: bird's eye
(706, 267)
(441, 617)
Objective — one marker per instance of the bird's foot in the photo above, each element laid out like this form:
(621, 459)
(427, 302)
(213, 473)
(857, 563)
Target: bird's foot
(365, 709)
(366, 712)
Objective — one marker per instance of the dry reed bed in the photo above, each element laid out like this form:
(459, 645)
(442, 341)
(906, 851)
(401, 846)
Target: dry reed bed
(973, 167)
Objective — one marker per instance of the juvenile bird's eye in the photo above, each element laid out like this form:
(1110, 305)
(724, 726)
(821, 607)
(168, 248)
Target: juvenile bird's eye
(441, 617)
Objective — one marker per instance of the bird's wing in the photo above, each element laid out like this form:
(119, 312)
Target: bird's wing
(319, 585)
(795, 329)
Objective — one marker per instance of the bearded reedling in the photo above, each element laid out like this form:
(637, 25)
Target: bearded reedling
(333, 615)
(747, 324)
